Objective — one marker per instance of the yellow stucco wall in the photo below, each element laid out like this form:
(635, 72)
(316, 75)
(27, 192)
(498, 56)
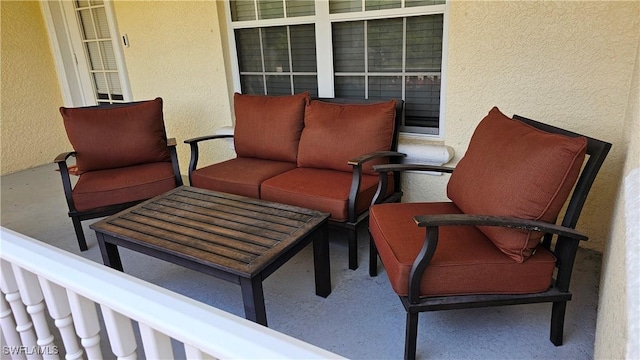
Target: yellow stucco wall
(565, 63)
(176, 54)
(32, 130)
(611, 334)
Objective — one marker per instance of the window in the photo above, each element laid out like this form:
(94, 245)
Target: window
(373, 49)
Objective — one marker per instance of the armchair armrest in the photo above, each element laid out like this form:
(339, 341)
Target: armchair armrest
(432, 223)
(356, 179)
(172, 142)
(62, 157)
(501, 221)
(193, 143)
(384, 168)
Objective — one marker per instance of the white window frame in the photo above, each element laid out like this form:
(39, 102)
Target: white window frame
(323, 21)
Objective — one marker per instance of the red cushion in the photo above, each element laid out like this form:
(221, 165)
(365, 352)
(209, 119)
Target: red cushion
(268, 127)
(241, 176)
(513, 169)
(100, 188)
(319, 189)
(107, 138)
(335, 133)
(465, 261)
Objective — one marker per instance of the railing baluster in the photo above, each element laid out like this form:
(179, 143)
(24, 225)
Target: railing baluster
(156, 345)
(120, 331)
(11, 336)
(58, 304)
(85, 320)
(32, 297)
(24, 326)
(193, 353)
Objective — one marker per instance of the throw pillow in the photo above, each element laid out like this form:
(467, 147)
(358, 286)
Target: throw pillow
(117, 136)
(513, 169)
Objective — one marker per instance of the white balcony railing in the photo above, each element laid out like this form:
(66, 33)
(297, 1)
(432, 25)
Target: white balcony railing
(43, 285)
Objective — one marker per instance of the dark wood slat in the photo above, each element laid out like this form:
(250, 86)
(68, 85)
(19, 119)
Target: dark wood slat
(285, 212)
(182, 246)
(231, 239)
(197, 212)
(261, 236)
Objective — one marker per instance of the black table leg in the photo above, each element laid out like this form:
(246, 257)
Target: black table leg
(321, 264)
(253, 299)
(110, 254)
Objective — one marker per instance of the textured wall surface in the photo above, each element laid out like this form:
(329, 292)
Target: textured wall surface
(176, 54)
(611, 334)
(565, 63)
(32, 130)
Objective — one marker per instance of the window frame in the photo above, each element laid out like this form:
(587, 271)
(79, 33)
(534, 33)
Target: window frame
(323, 22)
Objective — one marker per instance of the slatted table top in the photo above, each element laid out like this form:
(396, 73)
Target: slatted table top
(236, 234)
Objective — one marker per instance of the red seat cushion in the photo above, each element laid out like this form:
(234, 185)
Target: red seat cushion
(241, 176)
(113, 137)
(268, 127)
(335, 133)
(100, 188)
(513, 169)
(319, 189)
(465, 261)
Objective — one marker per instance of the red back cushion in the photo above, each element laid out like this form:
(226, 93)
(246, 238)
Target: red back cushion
(112, 137)
(335, 133)
(513, 169)
(268, 127)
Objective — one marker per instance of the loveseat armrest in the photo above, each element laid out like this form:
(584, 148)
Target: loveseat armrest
(433, 222)
(356, 179)
(193, 143)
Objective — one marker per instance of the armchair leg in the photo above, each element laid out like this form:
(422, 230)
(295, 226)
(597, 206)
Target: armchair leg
(373, 258)
(557, 322)
(77, 226)
(411, 336)
(353, 248)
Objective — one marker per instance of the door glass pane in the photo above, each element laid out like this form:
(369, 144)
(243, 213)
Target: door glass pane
(108, 56)
(82, 3)
(86, 23)
(114, 84)
(270, 9)
(424, 43)
(278, 85)
(102, 26)
(300, 8)
(385, 87)
(344, 6)
(248, 44)
(252, 84)
(276, 49)
(95, 59)
(381, 4)
(384, 45)
(348, 46)
(302, 83)
(422, 98)
(100, 81)
(303, 48)
(349, 87)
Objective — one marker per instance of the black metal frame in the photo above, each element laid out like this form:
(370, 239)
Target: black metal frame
(354, 219)
(78, 216)
(566, 246)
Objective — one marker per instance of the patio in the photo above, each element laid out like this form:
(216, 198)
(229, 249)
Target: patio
(361, 319)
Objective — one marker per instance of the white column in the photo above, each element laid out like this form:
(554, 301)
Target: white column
(24, 326)
(58, 304)
(8, 324)
(156, 344)
(85, 320)
(120, 331)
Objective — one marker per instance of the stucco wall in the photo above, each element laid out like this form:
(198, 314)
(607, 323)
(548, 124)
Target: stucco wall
(176, 54)
(565, 63)
(611, 331)
(32, 130)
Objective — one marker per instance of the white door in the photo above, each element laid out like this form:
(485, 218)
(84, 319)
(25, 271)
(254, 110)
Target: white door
(88, 51)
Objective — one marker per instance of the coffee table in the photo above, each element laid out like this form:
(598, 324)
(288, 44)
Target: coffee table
(231, 237)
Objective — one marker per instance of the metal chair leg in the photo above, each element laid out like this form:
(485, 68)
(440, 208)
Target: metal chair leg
(557, 322)
(353, 248)
(373, 258)
(411, 336)
(77, 226)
